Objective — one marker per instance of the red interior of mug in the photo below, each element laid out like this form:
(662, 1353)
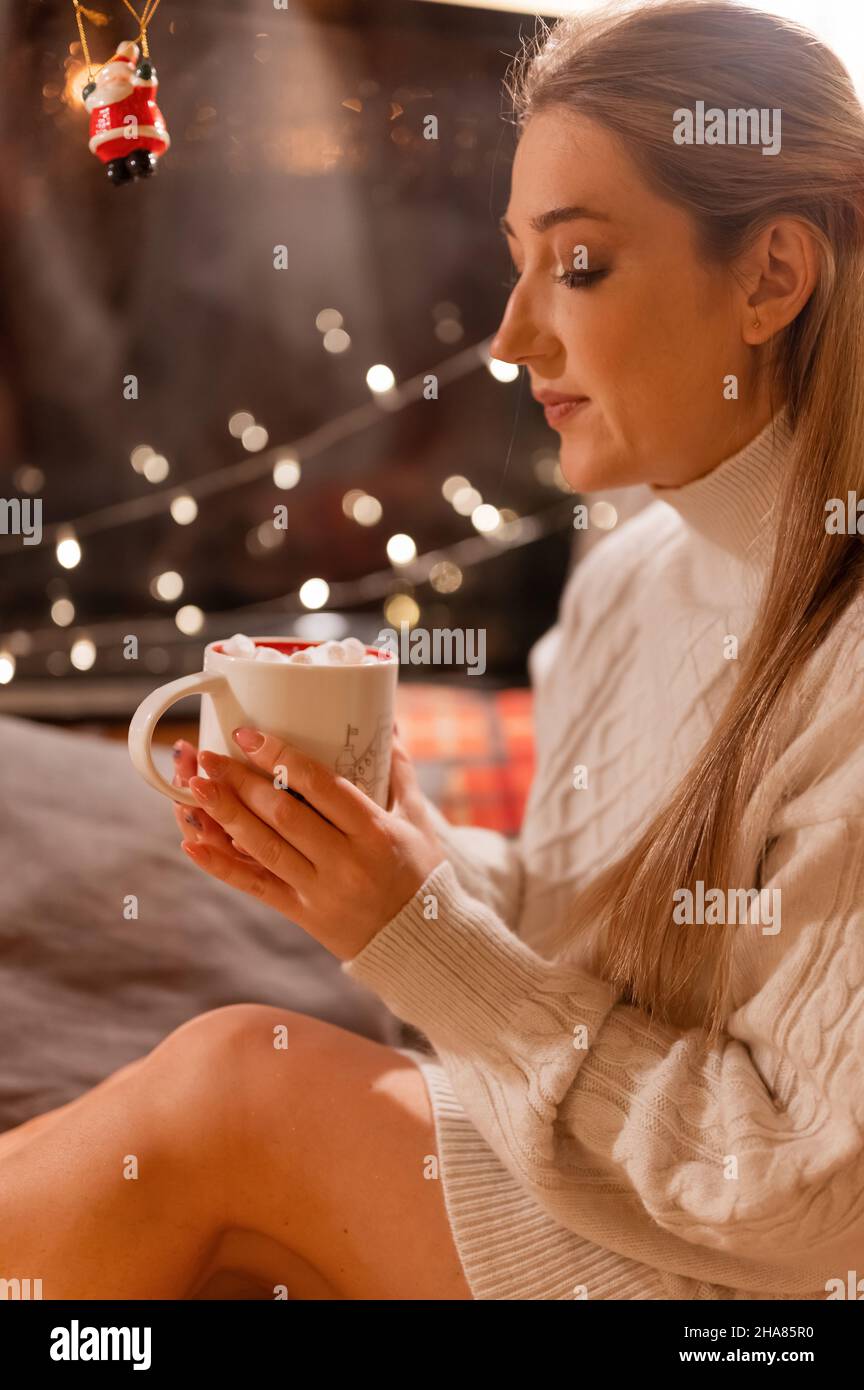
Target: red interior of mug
(289, 647)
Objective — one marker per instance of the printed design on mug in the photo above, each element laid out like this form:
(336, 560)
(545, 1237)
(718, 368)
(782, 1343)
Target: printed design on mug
(368, 769)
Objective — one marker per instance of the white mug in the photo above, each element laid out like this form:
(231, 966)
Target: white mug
(340, 715)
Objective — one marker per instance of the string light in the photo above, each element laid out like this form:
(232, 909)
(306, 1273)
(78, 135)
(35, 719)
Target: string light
(167, 586)
(367, 510)
(139, 456)
(603, 515)
(451, 486)
(502, 371)
(445, 577)
(380, 379)
(62, 612)
(184, 509)
(485, 518)
(68, 552)
(449, 330)
(286, 473)
(254, 438)
(7, 667)
(328, 319)
(83, 654)
(402, 608)
(334, 431)
(157, 660)
(336, 340)
(321, 627)
(189, 619)
(466, 500)
(510, 528)
(241, 420)
(447, 566)
(19, 642)
(156, 468)
(28, 478)
(350, 500)
(401, 549)
(268, 536)
(314, 593)
(544, 469)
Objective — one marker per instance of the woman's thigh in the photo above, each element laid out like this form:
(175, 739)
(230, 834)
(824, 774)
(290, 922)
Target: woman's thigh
(329, 1146)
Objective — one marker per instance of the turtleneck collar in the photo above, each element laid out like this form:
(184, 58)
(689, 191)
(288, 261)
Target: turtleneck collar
(732, 505)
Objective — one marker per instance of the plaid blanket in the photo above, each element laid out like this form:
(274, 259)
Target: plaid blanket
(474, 751)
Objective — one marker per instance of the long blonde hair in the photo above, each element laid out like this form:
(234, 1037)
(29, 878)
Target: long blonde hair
(629, 72)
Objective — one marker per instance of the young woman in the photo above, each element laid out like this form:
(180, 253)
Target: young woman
(648, 1014)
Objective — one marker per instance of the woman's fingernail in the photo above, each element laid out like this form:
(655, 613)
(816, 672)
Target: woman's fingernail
(199, 853)
(213, 763)
(191, 819)
(176, 751)
(250, 740)
(201, 787)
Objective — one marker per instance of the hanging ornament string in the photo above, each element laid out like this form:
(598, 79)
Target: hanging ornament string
(143, 20)
(95, 18)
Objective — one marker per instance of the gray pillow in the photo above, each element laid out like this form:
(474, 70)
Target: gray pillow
(83, 990)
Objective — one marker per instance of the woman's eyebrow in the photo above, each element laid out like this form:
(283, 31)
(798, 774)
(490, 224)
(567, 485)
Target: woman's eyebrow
(545, 220)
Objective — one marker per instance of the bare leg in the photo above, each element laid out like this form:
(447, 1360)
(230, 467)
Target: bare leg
(300, 1167)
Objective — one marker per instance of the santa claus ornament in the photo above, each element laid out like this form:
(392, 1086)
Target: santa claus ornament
(127, 129)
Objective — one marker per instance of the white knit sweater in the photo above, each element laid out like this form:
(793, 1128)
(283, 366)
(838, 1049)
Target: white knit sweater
(603, 1171)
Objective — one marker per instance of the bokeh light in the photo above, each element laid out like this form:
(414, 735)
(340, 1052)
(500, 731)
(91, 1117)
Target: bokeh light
(314, 593)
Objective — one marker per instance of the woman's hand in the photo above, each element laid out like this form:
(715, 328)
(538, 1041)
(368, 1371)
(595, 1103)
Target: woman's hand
(195, 824)
(334, 862)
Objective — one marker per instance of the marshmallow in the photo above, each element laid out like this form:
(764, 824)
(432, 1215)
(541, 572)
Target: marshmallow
(270, 654)
(329, 654)
(239, 645)
(349, 652)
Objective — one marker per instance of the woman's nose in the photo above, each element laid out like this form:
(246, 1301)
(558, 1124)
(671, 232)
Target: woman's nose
(518, 338)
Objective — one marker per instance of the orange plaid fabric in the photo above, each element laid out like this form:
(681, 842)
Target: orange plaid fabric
(474, 751)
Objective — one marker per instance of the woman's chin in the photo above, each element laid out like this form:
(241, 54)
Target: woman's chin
(591, 474)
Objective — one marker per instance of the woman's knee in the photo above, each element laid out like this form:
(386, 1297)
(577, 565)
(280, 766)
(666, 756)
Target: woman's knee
(233, 1031)
(234, 1062)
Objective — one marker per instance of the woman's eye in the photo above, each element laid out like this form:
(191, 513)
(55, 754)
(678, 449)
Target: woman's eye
(514, 277)
(579, 279)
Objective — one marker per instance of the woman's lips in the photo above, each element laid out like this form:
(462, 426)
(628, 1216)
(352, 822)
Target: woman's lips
(557, 414)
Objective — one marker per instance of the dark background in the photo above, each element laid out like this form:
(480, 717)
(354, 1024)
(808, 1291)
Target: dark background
(173, 280)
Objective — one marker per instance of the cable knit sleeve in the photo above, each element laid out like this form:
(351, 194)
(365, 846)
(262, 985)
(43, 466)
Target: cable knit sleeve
(488, 865)
(751, 1149)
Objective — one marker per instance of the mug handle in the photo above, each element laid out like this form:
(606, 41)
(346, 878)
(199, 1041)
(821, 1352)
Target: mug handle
(147, 716)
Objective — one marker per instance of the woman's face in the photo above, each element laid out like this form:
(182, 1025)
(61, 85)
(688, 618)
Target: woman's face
(641, 327)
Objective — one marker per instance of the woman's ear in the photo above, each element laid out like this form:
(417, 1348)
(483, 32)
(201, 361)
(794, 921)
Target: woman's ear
(778, 274)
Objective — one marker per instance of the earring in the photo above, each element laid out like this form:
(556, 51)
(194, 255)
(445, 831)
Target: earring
(757, 323)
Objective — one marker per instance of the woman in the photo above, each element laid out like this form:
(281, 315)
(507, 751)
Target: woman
(648, 1014)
